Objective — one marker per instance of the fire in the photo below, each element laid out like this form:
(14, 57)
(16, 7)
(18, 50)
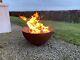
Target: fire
(35, 26)
(24, 18)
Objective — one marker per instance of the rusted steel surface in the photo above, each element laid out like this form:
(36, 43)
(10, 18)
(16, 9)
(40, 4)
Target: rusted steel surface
(36, 39)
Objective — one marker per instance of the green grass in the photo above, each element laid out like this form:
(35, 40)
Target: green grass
(18, 21)
(68, 32)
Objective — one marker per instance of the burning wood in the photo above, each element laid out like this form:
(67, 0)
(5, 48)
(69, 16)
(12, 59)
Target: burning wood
(35, 31)
(34, 24)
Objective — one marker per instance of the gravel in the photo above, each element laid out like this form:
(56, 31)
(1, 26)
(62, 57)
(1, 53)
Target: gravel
(13, 46)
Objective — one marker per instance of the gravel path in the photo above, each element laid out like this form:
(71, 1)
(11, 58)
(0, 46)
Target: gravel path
(13, 46)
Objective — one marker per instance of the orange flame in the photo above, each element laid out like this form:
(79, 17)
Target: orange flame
(23, 18)
(34, 25)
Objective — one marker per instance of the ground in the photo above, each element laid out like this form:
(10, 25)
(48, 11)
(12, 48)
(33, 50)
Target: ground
(68, 32)
(13, 46)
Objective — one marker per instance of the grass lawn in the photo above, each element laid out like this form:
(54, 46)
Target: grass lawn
(68, 32)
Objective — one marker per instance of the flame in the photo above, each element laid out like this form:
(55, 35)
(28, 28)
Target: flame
(35, 26)
(23, 18)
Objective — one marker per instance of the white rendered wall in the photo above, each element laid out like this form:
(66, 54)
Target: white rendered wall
(5, 25)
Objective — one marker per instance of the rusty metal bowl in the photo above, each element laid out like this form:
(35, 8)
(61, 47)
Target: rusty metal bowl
(36, 39)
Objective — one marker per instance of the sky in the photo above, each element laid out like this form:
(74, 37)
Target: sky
(32, 5)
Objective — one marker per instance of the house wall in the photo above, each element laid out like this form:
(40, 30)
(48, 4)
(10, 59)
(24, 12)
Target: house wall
(5, 25)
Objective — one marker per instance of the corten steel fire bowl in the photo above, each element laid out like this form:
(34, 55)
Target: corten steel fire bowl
(36, 39)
